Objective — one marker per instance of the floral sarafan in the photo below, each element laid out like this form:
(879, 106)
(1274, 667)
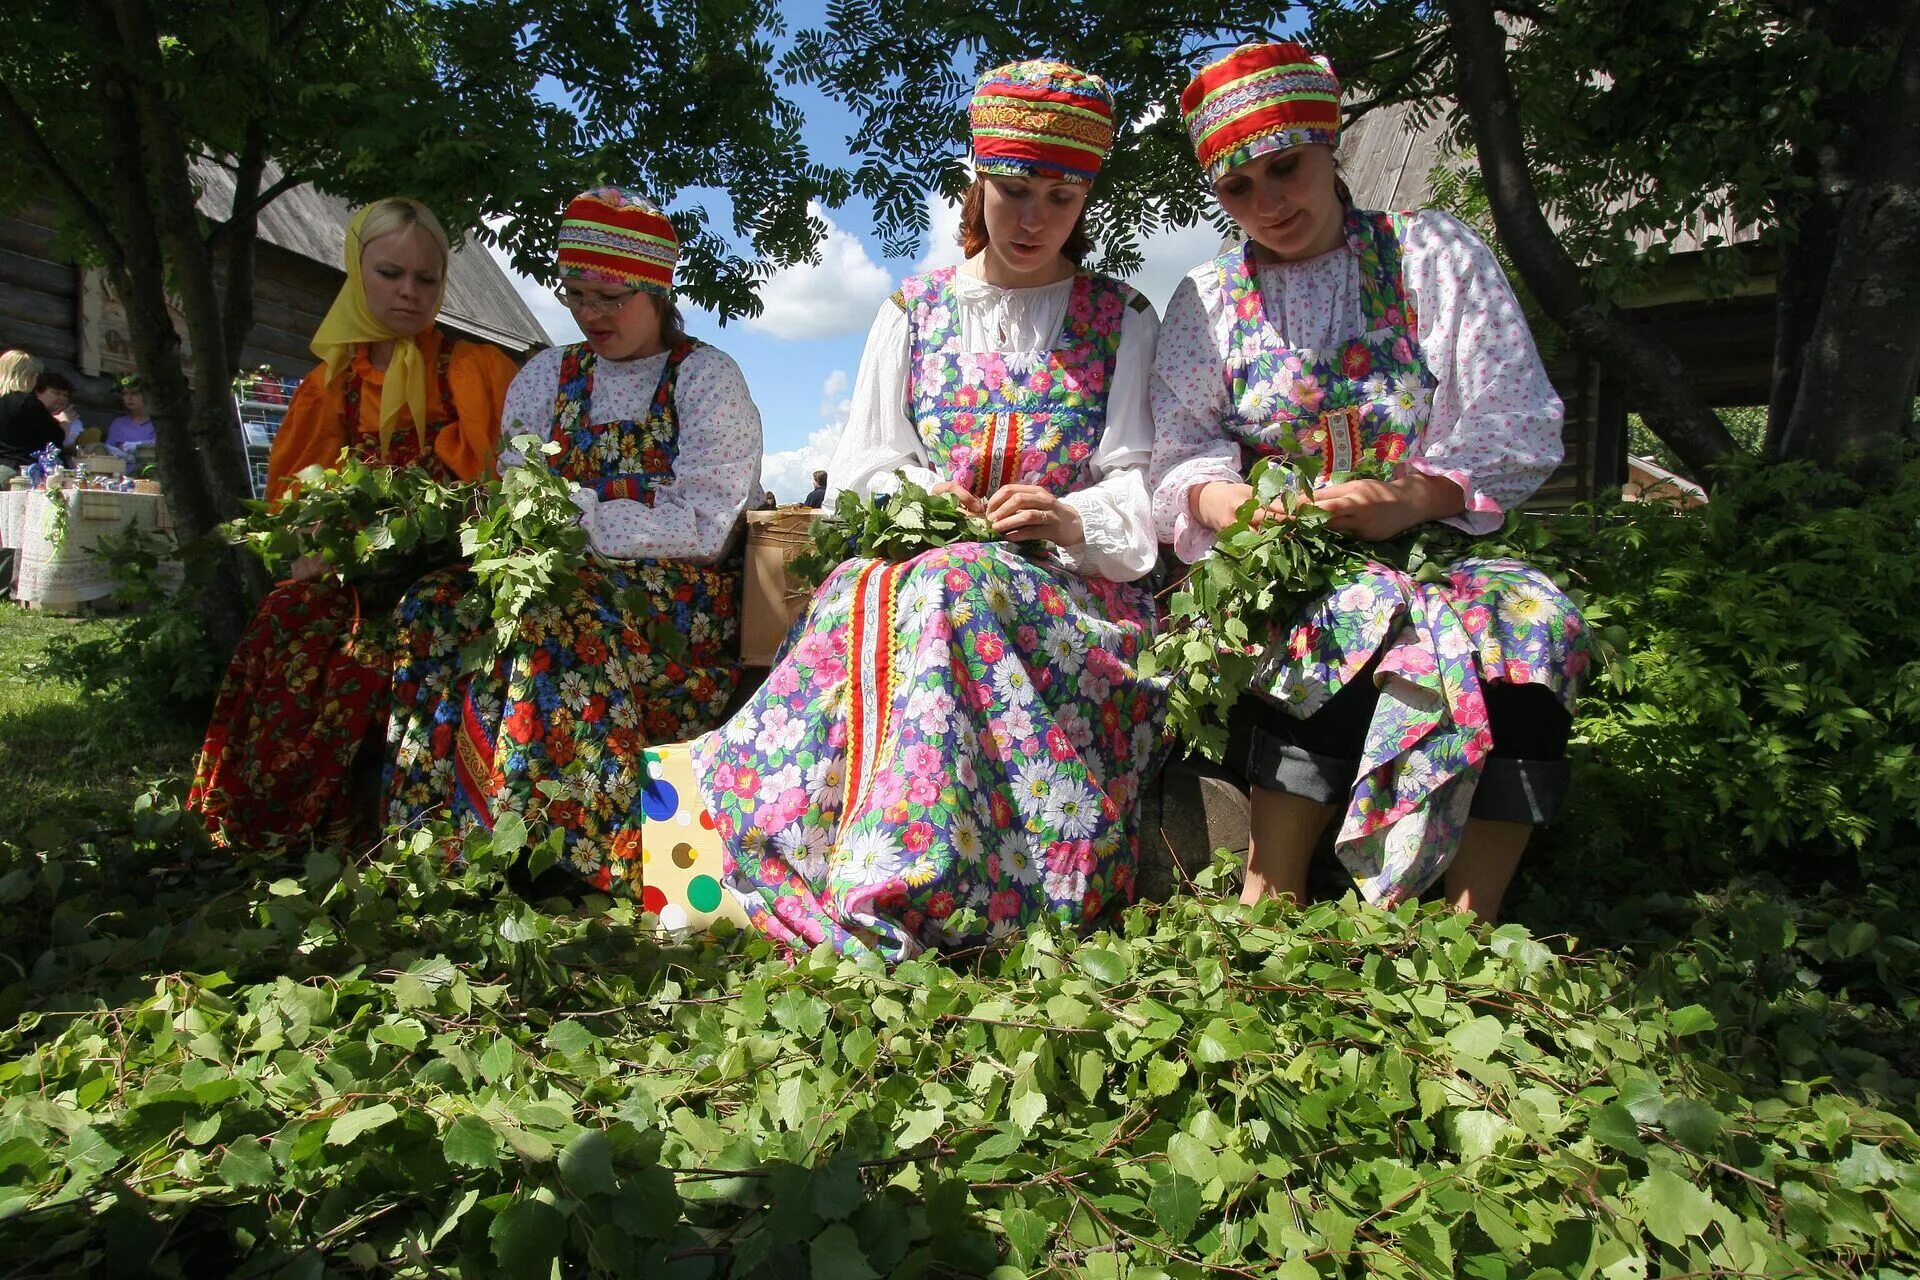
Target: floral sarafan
(1360, 406)
(964, 730)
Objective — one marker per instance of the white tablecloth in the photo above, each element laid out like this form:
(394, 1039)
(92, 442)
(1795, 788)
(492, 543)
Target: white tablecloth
(66, 574)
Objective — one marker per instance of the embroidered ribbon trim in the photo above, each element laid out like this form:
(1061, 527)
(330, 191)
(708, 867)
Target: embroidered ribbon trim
(871, 686)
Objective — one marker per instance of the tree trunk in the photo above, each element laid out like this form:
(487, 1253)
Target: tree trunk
(1653, 377)
(186, 434)
(1855, 395)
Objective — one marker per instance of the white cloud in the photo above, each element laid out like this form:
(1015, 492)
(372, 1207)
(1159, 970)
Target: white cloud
(789, 473)
(943, 234)
(555, 319)
(1166, 256)
(836, 295)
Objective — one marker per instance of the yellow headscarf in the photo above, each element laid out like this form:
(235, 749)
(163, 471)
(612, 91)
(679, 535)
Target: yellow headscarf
(349, 323)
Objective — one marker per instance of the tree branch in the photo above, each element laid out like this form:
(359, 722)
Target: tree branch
(1655, 381)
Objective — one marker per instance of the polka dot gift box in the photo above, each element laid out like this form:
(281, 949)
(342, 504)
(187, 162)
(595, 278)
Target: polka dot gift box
(679, 849)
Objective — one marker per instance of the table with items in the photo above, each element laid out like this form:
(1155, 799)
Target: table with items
(57, 525)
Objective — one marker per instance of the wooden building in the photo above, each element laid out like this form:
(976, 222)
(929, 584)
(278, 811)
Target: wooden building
(63, 312)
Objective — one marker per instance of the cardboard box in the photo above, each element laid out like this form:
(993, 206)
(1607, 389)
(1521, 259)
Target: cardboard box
(769, 600)
(682, 866)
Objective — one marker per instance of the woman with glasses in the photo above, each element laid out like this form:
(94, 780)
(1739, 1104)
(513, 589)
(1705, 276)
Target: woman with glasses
(1435, 714)
(661, 442)
(308, 684)
(953, 747)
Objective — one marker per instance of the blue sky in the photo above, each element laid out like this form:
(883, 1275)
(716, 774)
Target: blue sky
(801, 353)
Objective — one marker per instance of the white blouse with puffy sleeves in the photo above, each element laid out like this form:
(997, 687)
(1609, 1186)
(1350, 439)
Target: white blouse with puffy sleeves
(880, 437)
(715, 477)
(1496, 420)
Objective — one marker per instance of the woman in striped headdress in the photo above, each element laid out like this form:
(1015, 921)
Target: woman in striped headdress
(963, 736)
(661, 441)
(1436, 714)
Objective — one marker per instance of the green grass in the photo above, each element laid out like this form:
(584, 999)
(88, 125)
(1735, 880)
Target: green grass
(63, 751)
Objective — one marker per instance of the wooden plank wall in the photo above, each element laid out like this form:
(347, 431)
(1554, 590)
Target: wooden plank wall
(40, 309)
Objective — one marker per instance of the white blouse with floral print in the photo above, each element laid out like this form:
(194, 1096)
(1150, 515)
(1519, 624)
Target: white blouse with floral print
(716, 474)
(1495, 424)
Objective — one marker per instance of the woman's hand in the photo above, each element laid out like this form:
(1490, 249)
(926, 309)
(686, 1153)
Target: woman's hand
(309, 569)
(962, 495)
(1216, 503)
(1025, 512)
(1379, 509)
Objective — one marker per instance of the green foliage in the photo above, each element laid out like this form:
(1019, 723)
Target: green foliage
(69, 753)
(392, 1066)
(372, 524)
(526, 547)
(1264, 571)
(156, 664)
(387, 526)
(896, 527)
(1770, 693)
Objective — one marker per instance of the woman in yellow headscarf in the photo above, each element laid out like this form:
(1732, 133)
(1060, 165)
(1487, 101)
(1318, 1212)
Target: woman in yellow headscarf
(309, 682)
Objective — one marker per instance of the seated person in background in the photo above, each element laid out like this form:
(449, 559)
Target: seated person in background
(661, 442)
(29, 421)
(17, 372)
(309, 683)
(817, 496)
(135, 426)
(768, 502)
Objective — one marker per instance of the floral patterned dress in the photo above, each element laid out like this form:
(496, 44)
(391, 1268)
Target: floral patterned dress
(964, 729)
(1496, 620)
(555, 732)
(308, 683)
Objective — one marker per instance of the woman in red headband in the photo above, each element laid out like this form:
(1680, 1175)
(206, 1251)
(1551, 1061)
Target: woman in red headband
(307, 687)
(661, 441)
(1344, 339)
(963, 736)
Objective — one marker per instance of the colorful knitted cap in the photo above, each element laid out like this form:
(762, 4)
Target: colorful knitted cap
(1044, 119)
(617, 237)
(1257, 99)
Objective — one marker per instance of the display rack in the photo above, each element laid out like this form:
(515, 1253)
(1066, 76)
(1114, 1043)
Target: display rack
(260, 403)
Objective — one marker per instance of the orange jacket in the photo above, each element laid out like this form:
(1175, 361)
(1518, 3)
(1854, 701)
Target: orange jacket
(314, 430)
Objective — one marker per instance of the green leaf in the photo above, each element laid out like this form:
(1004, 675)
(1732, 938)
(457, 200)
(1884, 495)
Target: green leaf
(836, 1252)
(509, 836)
(1026, 1233)
(471, 1143)
(1672, 1208)
(1693, 1123)
(835, 1190)
(1028, 1109)
(1188, 1155)
(1101, 965)
(352, 1124)
(527, 1236)
(246, 1164)
(1615, 1126)
(586, 1164)
(1690, 1020)
(1175, 1205)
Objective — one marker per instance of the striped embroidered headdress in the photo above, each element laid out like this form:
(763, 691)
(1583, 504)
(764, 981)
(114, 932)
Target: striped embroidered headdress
(1257, 99)
(1046, 119)
(620, 238)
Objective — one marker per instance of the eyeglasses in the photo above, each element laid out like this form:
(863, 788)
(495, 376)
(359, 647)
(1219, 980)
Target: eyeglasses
(574, 300)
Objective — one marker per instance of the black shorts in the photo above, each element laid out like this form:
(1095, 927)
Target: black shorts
(1525, 776)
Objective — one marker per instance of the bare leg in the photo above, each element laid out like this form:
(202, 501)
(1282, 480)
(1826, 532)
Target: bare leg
(1481, 871)
(1286, 830)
